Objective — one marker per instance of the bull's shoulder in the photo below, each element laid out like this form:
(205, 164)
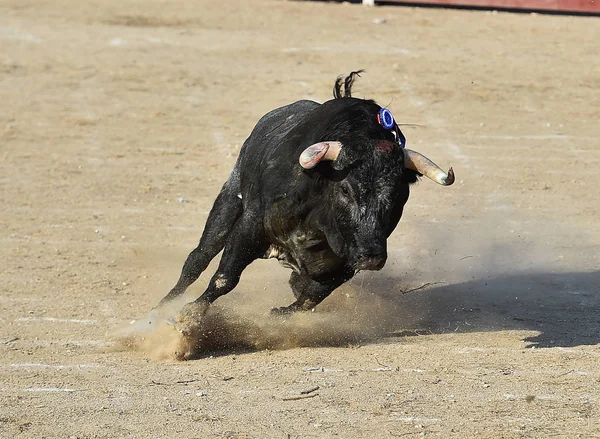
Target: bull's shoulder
(267, 156)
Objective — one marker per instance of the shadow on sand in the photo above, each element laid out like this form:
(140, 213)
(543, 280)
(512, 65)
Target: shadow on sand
(564, 308)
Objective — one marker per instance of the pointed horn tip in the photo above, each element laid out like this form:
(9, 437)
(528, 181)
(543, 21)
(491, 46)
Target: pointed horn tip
(449, 178)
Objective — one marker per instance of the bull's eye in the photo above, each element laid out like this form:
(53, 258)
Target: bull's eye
(345, 191)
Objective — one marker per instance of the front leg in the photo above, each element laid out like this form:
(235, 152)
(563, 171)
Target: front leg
(309, 292)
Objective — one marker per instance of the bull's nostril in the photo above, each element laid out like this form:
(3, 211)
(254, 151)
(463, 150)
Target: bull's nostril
(371, 262)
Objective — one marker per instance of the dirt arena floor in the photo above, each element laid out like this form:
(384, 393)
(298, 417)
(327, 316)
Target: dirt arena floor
(119, 122)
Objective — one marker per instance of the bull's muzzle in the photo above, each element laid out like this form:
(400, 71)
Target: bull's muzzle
(371, 262)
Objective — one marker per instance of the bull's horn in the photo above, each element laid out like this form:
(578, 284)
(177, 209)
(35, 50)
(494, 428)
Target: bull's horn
(312, 155)
(418, 162)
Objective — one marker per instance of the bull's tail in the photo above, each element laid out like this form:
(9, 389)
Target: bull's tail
(347, 82)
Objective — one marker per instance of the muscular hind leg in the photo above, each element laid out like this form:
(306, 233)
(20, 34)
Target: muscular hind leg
(246, 243)
(223, 216)
(309, 292)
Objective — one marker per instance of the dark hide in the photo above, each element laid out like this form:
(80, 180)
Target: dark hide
(325, 223)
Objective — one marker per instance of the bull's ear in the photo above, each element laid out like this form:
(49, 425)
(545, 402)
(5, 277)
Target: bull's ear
(312, 155)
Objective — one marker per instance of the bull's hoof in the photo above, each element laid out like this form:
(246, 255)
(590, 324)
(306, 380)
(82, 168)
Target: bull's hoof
(188, 322)
(186, 349)
(191, 314)
(189, 325)
(299, 305)
(284, 311)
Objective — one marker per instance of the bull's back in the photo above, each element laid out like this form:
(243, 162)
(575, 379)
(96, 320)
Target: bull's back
(268, 155)
(269, 136)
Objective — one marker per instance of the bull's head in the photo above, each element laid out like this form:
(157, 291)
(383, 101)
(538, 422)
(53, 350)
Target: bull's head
(368, 171)
(329, 151)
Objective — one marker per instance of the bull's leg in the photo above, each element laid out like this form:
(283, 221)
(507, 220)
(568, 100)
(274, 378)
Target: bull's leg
(245, 243)
(310, 292)
(221, 220)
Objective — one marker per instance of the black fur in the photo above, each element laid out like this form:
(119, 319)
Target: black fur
(327, 222)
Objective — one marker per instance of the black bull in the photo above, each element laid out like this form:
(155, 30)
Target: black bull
(319, 187)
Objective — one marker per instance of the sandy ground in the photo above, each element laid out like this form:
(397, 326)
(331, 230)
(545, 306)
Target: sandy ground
(120, 120)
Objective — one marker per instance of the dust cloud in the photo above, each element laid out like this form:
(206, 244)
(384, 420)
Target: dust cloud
(351, 316)
(436, 280)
